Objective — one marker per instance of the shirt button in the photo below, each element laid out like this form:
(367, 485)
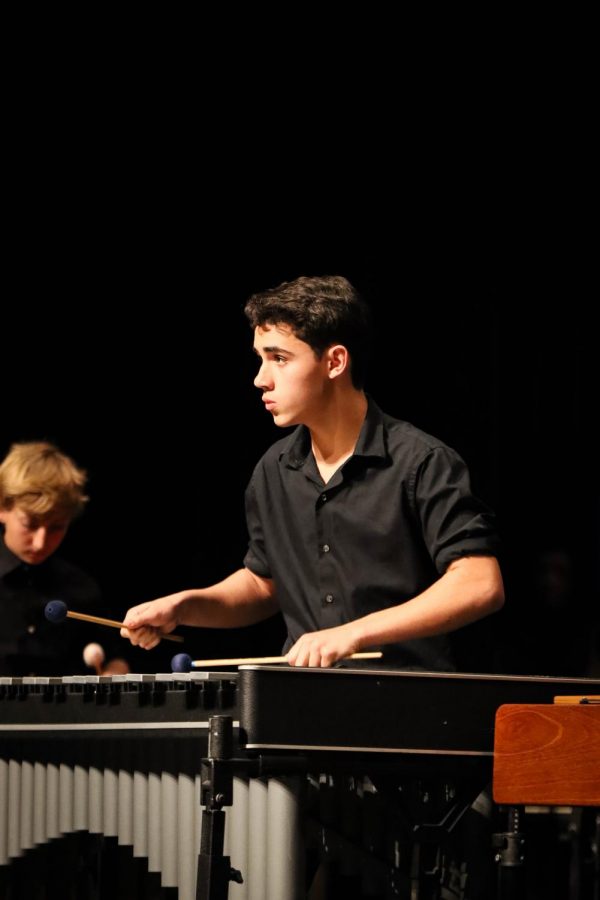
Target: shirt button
(329, 598)
(325, 548)
(323, 497)
(31, 629)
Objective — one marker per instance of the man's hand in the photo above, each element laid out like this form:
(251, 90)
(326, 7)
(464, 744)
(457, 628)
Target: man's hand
(324, 648)
(144, 624)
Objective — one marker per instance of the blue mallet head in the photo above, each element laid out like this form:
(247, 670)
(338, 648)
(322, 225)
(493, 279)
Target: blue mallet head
(181, 662)
(56, 611)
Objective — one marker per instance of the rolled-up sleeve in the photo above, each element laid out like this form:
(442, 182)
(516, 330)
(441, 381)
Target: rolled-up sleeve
(455, 523)
(256, 556)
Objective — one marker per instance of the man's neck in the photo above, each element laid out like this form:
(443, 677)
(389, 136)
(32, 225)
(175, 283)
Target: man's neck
(335, 435)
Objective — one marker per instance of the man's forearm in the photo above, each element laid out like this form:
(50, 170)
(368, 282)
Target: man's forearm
(470, 589)
(242, 598)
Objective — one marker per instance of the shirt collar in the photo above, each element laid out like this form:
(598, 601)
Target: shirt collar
(372, 440)
(8, 561)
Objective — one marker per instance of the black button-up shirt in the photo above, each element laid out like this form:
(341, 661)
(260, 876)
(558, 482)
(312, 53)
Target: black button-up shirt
(382, 530)
(29, 643)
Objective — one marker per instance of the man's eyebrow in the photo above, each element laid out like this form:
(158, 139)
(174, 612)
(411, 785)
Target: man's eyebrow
(274, 349)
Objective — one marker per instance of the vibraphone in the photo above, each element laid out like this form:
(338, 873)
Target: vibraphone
(118, 756)
(121, 755)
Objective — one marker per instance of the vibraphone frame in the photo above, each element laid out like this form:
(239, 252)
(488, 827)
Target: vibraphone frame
(445, 726)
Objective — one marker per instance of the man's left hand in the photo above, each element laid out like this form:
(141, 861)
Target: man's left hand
(324, 648)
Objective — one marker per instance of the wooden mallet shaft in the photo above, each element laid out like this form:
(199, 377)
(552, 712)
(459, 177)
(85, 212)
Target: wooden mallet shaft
(112, 623)
(265, 660)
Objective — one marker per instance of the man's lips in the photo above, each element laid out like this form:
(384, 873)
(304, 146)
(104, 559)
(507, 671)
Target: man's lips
(34, 556)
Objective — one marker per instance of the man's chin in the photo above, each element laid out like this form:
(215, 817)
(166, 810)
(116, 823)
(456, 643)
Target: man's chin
(34, 559)
(283, 421)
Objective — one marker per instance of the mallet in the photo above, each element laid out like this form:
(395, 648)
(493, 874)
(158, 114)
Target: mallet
(57, 611)
(183, 662)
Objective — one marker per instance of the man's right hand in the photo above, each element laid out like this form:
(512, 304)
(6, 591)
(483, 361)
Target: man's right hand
(144, 624)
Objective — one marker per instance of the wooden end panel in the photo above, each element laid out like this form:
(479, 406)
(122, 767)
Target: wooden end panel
(547, 754)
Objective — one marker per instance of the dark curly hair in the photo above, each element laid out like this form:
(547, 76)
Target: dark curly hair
(321, 311)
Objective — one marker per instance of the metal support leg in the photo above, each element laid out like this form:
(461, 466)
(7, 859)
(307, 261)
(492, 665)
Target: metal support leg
(510, 857)
(214, 869)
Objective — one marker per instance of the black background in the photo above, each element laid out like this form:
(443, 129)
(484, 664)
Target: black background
(136, 229)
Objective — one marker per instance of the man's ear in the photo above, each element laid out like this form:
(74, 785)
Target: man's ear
(338, 360)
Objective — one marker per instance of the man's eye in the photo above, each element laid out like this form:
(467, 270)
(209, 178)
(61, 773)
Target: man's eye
(279, 358)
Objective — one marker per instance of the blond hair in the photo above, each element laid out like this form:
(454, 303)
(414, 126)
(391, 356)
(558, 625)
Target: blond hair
(40, 479)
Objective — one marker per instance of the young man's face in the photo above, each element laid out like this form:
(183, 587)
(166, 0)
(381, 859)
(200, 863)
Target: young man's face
(33, 539)
(293, 381)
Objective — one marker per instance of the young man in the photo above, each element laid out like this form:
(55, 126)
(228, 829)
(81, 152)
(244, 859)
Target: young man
(363, 529)
(41, 492)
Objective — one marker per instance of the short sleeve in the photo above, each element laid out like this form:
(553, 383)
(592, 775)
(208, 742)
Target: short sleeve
(256, 557)
(454, 522)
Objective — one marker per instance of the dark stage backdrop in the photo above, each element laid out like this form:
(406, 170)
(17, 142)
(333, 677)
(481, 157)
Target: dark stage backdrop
(137, 361)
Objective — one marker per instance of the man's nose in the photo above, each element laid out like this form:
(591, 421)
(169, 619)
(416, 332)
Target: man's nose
(263, 378)
(40, 537)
